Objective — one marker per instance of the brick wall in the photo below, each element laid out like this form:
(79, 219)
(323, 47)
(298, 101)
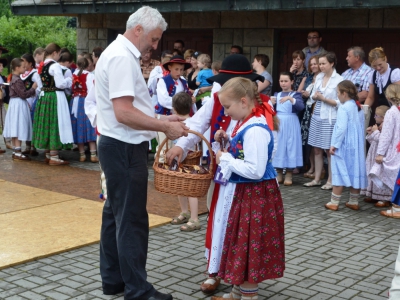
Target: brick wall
(253, 30)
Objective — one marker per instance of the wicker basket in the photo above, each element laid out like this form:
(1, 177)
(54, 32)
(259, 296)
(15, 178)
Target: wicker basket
(193, 158)
(182, 184)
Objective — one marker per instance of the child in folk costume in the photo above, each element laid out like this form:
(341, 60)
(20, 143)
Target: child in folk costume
(156, 74)
(347, 148)
(4, 98)
(29, 77)
(182, 106)
(374, 194)
(387, 161)
(211, 115)
(65, 62)
(83, 131)
(167, 87)
(18, 123)
(253, 248)
(52, 128)
(289, 153)
(394, 212)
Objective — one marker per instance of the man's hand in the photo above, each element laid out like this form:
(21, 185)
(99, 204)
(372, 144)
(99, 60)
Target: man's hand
(172, 118)
(175, 151)
(174, 130)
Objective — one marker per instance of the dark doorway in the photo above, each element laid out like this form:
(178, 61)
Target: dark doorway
(338, 41)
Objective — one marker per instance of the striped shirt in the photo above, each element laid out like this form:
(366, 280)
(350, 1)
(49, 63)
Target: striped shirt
(359, 77)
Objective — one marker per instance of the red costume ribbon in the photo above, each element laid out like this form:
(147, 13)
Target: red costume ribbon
(40, 68)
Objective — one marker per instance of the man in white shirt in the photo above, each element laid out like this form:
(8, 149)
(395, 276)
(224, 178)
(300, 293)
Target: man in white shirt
(125, 120)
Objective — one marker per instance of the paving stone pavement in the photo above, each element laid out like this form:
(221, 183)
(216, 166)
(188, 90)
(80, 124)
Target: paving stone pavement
(330, 255)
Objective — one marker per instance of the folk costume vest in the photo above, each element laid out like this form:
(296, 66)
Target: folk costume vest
(236, 149)
(28, 79)
(380, 94)
(79, 88)
(47, 79)
(171, 87)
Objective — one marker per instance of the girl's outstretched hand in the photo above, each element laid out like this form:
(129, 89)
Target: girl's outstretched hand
(332, 150)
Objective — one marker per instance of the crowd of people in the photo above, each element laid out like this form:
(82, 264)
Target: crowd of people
(123, 99)
(46, 93)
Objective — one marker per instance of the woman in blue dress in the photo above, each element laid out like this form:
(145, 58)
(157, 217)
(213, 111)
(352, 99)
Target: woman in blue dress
(347, 148)
(289, 152)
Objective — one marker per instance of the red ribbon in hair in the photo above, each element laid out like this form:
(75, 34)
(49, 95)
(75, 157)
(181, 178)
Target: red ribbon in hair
(257, 111)
(40, 68)
(358, 105)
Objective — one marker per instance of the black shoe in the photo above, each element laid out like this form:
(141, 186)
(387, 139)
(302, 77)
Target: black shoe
(160, 296)
(113, 290)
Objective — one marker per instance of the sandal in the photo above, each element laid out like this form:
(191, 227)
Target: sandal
(312, 183)
(327, 186)
(391, 213)
(182, 218)
(309, 174)
(191, 225)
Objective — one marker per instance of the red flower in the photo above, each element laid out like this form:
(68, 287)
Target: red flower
(398, 181)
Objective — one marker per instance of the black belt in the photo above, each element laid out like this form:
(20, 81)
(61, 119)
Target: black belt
(52, 89)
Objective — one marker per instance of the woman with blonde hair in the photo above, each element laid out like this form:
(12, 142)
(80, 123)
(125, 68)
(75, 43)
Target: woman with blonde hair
(380, 79)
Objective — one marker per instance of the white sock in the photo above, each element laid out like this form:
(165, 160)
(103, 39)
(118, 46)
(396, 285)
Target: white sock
(353, 200)
(335, 199)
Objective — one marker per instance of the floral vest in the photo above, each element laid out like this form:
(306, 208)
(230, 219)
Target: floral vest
(79, 87)
(28, 80)
(170, 84)
(236, 149)
(47, 79)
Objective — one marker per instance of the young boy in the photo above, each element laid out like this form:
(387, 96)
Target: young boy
(182, 105)
(168, 86)
(204, 63)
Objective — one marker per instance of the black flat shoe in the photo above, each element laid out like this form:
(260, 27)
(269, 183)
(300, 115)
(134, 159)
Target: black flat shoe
(160, 296)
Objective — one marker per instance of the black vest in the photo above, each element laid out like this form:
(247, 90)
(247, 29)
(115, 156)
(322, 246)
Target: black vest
(380, 97)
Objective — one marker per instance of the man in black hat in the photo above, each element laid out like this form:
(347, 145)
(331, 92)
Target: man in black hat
(212, 114)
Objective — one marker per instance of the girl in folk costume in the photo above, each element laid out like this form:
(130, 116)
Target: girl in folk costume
(387, 161)
(289, 153)
(156, 74)
(52, 129)
(167, 87)
(18, 124)
(347, 148)
(374, 194)
(4, 98)
(253, 248)
(83, 131)
(65, 62)
(29, 77)
(211, 115)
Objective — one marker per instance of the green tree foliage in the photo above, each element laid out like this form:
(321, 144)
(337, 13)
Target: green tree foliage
(21, 34)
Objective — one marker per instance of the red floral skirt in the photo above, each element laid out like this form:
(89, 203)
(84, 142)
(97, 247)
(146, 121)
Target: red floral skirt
(254, 245)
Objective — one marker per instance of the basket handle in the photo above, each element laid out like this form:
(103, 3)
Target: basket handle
(161, 146)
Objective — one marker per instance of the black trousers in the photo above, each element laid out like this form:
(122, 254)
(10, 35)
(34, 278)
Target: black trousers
(125, 222)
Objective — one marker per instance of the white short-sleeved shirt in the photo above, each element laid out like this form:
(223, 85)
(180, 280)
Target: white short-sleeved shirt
(118, 74)
(382, 79)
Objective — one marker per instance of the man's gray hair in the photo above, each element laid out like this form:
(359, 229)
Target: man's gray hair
(149, 18)
(358, 51)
